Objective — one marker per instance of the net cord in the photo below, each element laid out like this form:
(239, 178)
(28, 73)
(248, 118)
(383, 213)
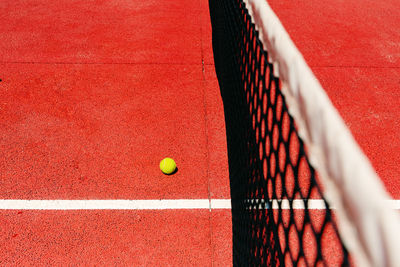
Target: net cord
(367, 225)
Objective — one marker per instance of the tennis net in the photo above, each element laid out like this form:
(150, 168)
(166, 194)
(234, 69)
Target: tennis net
(279, 125)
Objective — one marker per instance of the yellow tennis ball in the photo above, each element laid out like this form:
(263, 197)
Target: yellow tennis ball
(167, 166)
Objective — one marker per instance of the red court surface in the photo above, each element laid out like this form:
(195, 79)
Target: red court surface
(95, 31)
(134, 238)
(99, 131)
(95, 93)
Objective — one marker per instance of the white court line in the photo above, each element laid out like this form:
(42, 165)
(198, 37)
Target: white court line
(116, 204)
(154, 204)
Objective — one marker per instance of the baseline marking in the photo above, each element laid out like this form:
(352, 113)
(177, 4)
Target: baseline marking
(155, 204)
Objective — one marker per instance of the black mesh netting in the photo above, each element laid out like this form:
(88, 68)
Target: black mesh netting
(271, 179)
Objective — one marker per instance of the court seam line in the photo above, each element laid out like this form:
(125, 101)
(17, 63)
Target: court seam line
(165, 204)
(103, 63)
(181, 64)
(206, 133)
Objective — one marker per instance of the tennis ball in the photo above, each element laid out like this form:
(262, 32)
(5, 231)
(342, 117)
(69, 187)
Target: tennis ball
(167, 166)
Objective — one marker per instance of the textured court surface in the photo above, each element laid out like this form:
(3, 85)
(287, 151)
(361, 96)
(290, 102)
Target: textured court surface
(95, 93)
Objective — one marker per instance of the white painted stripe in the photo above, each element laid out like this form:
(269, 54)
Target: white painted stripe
(154, 204)
(117, 204)
(220, 204)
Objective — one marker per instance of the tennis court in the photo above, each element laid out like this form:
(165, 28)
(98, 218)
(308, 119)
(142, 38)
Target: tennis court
(93, 94)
